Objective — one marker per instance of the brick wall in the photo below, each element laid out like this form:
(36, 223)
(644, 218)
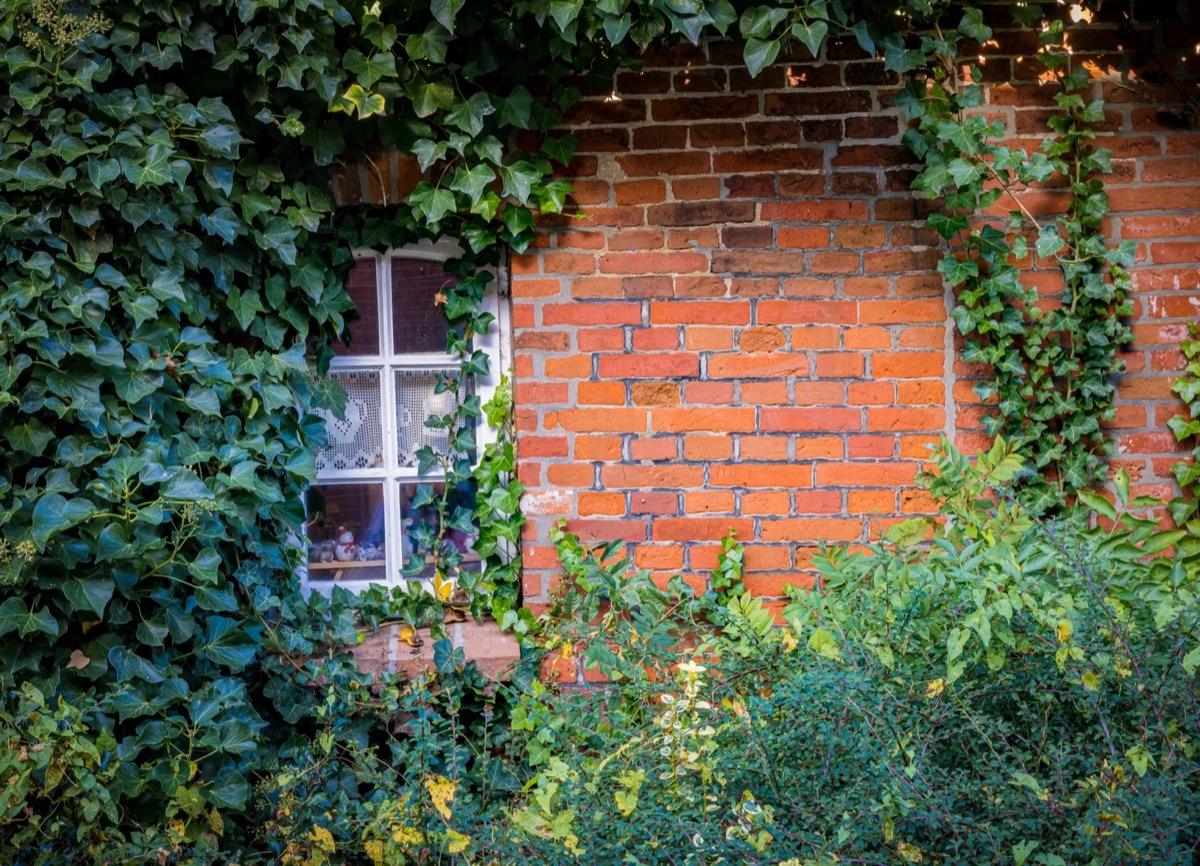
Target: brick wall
(743, 327)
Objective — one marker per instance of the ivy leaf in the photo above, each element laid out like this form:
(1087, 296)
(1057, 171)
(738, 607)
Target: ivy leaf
(428, 97)
(956, 270)
(15, 615)
(811, 33)
(519, 179)
(972, 25)
(225, 643)
(445, 11)
(759, 54)
(369, 70)
(564, 12)
(152, 170)
(759, 22)
(472, 180)
(1049, 241)
(514, 110)
(54, 513)
(91, 595)
(468, 116)
(365, 102)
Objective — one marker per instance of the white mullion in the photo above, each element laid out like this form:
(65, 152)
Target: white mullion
(391, 540)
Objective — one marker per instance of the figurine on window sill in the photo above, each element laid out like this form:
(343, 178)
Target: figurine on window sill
(344, 549)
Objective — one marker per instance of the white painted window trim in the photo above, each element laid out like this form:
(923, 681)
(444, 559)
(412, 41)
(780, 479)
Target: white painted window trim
(496, 343)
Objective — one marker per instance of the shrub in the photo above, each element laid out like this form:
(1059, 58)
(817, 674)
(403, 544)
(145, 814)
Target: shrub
(991, 688)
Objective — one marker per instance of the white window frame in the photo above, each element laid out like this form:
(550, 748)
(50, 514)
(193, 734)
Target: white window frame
(496, 343)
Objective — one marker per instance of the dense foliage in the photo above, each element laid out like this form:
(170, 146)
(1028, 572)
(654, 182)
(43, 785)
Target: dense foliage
(173, 278)
(1020, 690)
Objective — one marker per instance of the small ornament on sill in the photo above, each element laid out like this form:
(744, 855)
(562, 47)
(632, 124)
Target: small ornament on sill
(344, 549)
(369, 552)
(321, 552)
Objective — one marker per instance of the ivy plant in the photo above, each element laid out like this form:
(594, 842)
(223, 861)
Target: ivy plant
(172, 284)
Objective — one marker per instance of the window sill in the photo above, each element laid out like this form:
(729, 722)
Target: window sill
(493, 650)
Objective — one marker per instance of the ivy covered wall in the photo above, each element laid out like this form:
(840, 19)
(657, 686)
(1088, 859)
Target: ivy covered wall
(745, 326)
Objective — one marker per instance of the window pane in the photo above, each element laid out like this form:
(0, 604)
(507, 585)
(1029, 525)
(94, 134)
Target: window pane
(418, 323)
(362, 332)
(415, 402)
(463, 496)
(357, 441)
(346, 532)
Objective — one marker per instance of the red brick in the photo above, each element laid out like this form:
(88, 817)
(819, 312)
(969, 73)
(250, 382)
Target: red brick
(653, 263)
(839, 365)
(654, 449)
(891, 312)
(810, 420)
(901, 365)
(812, 529)
(592, 503)
(906, 419)
(640, 192)
(791, 475)
(649, 366)
(762, 339)
(705, 108)
(701, 213)
(807, 312)
(654, 503)
(598, 420)
(655, 339)
(716, 420)
(725, 312)
(865, 474)
(600, 393)
(766, 502)
(576, 313)
(655, 393)
(742, 366)
(643, 477)
(707, 447)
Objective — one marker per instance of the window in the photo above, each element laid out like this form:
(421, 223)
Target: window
(361, 510)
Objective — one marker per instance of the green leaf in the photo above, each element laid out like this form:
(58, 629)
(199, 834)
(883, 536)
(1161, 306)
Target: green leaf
(972, 25)
(54, 514)
(153, 168)
(472, 180)
(811, 33)
(1049, 241)
(759, 54)
(91, 595)
(15, 615)
(445, 11)
(227, 644)
(759, 22)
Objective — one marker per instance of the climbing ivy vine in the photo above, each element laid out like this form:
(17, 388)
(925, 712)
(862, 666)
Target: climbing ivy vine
(172, 284)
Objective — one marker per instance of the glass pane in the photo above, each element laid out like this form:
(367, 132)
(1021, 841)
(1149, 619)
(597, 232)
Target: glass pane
(362, 326)
(415, 402)
(357, 441)
(346, 532)
(462, 496)
(418, 323)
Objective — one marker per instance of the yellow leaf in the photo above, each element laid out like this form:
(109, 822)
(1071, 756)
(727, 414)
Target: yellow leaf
(1091, 682)
(458, 842)
(323, 839)
(374, 850)
(1063, 631)
(441, 794)
(935, 688)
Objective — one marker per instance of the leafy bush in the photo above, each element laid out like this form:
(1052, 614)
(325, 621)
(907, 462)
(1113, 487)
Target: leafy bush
(1006, 689)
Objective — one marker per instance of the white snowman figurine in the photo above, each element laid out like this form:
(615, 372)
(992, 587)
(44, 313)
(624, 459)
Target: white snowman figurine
(343, 548)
